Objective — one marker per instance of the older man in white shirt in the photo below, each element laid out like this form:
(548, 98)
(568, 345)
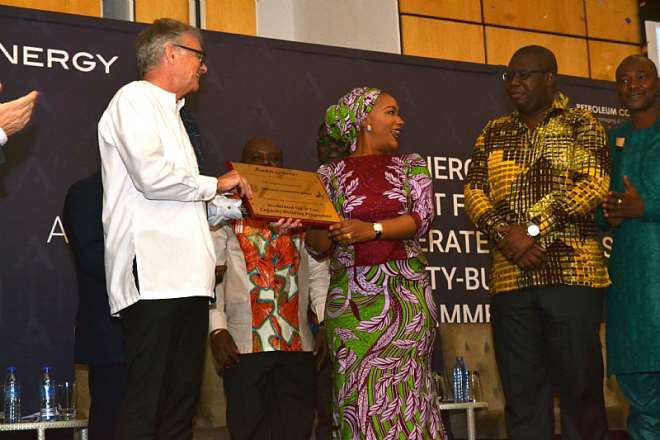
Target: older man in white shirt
(159, 255)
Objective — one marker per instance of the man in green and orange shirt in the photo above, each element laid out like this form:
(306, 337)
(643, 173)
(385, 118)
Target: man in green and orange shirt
(260, 335)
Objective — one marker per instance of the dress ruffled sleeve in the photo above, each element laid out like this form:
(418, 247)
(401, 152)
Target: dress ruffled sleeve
(325, 174)
(420, 193)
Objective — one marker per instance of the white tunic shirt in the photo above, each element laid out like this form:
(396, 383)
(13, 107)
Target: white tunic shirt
(153, 200)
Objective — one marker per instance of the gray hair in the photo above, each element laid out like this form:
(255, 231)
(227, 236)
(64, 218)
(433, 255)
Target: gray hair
(150, 43)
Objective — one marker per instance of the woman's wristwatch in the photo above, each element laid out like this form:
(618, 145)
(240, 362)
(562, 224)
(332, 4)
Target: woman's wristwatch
(378, 229)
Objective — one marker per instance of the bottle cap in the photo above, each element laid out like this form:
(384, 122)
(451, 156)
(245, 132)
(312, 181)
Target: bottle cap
(47, 369)
(11, 370)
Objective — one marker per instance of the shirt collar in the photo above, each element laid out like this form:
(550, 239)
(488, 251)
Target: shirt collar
(560, 102)
(168, 99)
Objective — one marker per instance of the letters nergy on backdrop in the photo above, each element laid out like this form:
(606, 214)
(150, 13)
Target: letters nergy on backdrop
(255, 86)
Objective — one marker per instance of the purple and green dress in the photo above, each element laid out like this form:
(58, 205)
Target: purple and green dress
(380, 312)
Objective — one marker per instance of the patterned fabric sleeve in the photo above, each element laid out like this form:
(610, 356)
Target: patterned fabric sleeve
(420, 194)
(478, 205)
(325, 174)
(601, 222)
(590, 168)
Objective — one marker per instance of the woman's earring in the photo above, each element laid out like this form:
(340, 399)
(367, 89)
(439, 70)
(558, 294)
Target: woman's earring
(369, 127)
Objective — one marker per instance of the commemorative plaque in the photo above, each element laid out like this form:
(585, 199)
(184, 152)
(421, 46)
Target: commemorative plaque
(284, 193)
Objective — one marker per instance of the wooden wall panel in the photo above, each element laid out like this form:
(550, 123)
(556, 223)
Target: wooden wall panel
(469, 10)
(605, 57)
(561, 16)
(571, 53)
(428, 37)
(80, 7)
(146, 11)
(614, 20)
(233, 16)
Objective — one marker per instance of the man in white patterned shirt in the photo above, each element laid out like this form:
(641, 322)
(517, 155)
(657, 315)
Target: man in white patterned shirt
(259, 328)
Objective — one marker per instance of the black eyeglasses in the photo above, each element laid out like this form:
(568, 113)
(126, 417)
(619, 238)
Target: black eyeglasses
(200, 53)
(522, 75)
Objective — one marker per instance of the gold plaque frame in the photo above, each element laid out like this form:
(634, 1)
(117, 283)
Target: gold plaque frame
(284, 193)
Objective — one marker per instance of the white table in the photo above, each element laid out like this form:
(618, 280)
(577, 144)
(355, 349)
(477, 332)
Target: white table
(41, 427)
(469, 408)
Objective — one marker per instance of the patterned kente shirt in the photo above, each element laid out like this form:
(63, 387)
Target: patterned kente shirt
(554, 176)
(272, 262)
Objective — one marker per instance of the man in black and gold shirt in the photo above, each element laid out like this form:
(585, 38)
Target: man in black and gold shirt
(536, 177)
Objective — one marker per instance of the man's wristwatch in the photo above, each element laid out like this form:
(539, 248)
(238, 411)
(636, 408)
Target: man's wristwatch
(533, 230)
(378, 229)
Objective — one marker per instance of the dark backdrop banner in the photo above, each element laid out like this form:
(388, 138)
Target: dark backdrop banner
(255, 86)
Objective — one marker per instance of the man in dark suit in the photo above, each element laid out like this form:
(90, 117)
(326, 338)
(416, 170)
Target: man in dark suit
(194, 135)
(98, 341)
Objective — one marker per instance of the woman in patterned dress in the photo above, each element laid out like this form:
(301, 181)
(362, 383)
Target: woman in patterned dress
(380, 313)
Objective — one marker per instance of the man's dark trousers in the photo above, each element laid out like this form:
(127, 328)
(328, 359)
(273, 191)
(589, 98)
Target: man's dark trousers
(107, 383)
(546, 339)
(164, 343)
(270, 395)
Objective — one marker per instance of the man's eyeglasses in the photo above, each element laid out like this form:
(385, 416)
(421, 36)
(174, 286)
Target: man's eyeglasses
(200, 53)
(522, 75)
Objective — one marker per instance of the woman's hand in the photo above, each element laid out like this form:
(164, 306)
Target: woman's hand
(349, 232)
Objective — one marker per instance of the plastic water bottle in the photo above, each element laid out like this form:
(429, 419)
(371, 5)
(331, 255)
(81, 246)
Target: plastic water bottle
(467, 388)
(47, 390)
(458, 380)
(12, 393)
